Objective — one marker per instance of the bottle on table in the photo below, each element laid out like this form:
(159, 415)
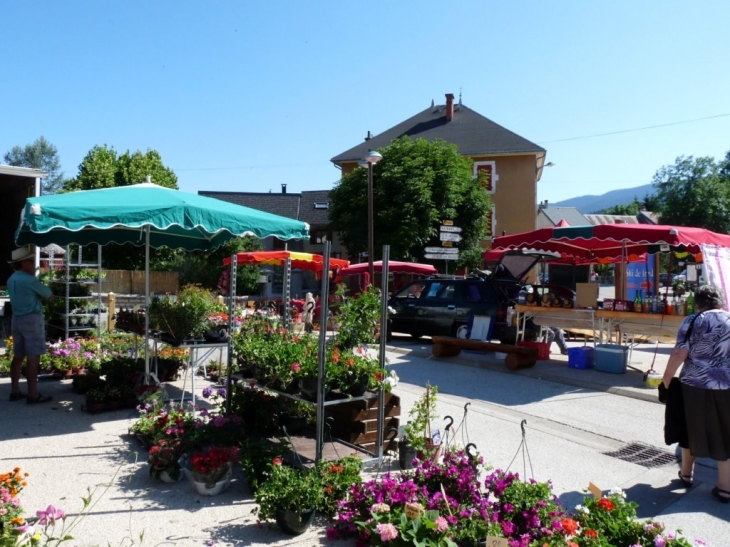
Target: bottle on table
(655, 304)
(675, 305)
(638, 302)
(681, 307)
(667, 305)
(690, 303)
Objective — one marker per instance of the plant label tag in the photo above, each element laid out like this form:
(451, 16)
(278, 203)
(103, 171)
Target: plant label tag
(493, 541)
(413, 510)
(593, 489)
(436, 437)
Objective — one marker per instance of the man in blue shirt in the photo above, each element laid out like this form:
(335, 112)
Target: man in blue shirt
(28, 325)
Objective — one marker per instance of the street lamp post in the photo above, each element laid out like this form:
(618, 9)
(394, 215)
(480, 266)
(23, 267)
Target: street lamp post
(370, 159)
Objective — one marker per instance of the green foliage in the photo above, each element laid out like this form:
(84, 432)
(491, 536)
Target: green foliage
(357, 316)
(416, 185)
(39, 155)
(423, 412)
(336, 478)
(185, 316)
(288, 489)
(204, 268)
(694, 192)
(632, 208)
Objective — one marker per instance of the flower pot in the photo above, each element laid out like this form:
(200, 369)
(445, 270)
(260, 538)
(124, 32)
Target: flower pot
(308, 387)
(219, 487)
(95, 408)
(294, 523)
(431, 452)
(406, 454)
(164, 476)
(359, 386)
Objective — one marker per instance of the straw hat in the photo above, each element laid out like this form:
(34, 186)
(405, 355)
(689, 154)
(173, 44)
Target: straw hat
(23, 253)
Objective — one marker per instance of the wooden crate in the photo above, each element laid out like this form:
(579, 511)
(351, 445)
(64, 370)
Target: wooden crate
(356, 422)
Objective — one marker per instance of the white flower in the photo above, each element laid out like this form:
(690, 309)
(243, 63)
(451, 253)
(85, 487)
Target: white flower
(392, 379)
(616, 491)
(582, 509)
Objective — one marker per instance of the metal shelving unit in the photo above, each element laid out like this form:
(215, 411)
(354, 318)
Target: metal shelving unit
(69, 329)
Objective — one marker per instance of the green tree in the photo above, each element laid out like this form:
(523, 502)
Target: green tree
(205, 268)
(692, 192)
(416, 186)
(632, 208)
(39, 155)
(103, 168)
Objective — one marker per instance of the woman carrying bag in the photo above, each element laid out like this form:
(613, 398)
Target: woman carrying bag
(703, 352)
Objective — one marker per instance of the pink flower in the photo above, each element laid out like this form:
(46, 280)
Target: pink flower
(50, 515)
(659, 541)
(296, 367)
(387, 532)
(441, 524)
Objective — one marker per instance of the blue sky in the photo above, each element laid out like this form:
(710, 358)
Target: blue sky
(244, 96)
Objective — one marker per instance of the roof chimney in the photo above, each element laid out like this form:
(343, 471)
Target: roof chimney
(283, 188)
(368, 137)
(449, 107)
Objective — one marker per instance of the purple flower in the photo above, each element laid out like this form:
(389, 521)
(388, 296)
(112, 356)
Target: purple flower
(332, 533)
(659, 541)
(50, 515)
(221, 392)
(207, 392)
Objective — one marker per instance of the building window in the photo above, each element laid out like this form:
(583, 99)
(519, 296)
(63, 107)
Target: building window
(490, 168)
(321, 205)
(317, 237)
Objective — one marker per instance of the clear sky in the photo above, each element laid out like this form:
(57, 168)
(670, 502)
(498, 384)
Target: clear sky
(243, 95)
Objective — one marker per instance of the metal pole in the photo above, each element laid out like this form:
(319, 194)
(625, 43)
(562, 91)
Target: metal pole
(322, 348)
(286, 296)
(147, 303)
(371, 268)
(231, 324)
(381, 353)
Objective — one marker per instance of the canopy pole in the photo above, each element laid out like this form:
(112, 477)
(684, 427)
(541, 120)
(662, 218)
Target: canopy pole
(147, 302)
(321, 365)
(382, 347)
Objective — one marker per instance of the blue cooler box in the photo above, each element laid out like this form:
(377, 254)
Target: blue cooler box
(612, 358)
(581, 358)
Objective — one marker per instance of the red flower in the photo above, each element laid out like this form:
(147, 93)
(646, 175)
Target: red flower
(350, 362)
(606, 504)
(336, 468)
(329, 488)
(569, 525)
(591, 533)
(277, 461)
(295, 367)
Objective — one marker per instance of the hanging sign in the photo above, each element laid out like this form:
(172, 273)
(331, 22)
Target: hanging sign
(454, 229)
(445, 236)
(452, 256)
(442, 250)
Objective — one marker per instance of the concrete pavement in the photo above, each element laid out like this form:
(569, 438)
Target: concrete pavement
(573, 417)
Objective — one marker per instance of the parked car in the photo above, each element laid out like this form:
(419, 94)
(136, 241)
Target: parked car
(441, 305)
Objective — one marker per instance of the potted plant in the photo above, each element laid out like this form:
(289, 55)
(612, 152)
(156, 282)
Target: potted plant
(164, 460)
(290, 497)
(184, 317)
(418, 432)
(210, 469)
(96, 400)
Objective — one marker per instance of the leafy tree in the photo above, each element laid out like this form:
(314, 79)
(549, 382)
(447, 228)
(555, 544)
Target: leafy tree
(632, 208)
(416, 185)
(102, 168)
(205, 268)
(39, 155)
(693, 192)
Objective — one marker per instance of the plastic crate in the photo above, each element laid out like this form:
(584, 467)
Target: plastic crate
(543, 348)
(581, 358)
(612, 358)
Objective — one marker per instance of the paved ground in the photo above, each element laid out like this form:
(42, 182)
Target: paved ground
(572, 418)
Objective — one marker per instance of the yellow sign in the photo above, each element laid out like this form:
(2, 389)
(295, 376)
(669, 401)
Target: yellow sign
(593, 489)
(447, 222)
(447, 243)
(493, 541)
(413, 510)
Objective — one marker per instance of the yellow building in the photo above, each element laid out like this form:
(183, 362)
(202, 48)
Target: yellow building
(514, 164)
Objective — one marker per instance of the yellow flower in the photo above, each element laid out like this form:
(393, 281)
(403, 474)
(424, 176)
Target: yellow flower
(17, 520)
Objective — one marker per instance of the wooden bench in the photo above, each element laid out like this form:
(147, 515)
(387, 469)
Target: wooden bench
(517, 357)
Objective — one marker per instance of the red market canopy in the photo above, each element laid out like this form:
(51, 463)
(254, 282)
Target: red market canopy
(494, 255)
(611, 241)
(301, 261)
(393, 267)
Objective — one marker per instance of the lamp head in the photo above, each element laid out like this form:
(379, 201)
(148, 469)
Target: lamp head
(373, 156)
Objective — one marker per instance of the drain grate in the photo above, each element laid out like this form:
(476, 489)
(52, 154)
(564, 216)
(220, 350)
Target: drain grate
(643, 454)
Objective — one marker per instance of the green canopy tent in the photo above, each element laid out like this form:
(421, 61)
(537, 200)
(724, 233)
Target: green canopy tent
(146, 214)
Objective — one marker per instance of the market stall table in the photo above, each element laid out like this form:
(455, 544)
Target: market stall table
(565, 318)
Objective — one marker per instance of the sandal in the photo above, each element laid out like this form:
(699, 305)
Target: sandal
(718, 493)
(686, 480)
(17, 396)
(39, 399)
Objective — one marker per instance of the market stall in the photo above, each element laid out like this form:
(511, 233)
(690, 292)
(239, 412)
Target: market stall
(146, 215)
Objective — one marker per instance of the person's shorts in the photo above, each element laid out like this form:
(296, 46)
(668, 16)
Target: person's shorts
(29, 334)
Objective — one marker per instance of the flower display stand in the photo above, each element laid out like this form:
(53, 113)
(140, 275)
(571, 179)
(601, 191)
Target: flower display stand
(356, 422)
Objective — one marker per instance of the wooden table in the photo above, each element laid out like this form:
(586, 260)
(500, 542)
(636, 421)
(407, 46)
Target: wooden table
(565, 318)
(664, 327)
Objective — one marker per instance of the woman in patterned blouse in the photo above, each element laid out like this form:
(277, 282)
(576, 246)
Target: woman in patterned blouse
(703, 351)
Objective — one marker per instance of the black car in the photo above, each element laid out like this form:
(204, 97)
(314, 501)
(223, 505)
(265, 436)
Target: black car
(441, 305)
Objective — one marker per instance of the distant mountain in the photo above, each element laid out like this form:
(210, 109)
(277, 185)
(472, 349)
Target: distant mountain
(596, 204)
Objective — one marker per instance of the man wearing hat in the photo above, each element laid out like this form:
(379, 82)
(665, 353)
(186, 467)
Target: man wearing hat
(28, 326)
